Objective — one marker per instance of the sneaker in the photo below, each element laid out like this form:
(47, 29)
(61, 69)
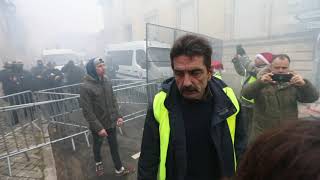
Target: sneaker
(124, 171)
(99, 169)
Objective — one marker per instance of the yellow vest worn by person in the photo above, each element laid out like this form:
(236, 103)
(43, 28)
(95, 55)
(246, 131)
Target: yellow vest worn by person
(161, 115)
(250, 80)
(218, 75)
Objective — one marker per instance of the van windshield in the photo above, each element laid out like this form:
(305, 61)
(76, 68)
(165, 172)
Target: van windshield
(159, 56)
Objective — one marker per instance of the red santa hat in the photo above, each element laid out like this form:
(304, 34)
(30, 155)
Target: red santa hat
(266, 57)
(215, 64)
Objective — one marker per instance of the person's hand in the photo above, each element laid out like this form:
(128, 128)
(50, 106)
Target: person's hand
(297, 80)
(103, 133)
(120, 122)
(235, 58)
(267, 78)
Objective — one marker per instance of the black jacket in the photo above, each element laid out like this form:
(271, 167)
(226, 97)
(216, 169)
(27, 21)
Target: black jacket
(98, 102)
(176, 161)
(73, 73)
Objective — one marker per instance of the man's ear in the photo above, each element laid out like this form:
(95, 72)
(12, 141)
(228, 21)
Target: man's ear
(209, 74)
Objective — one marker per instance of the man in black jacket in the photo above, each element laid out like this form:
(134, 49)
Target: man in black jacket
(100, 109)
(73, 73)
(193, 129)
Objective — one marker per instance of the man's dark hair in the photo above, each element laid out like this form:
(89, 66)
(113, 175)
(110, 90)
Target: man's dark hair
(290, 152)
(282, 57)
(192, 45)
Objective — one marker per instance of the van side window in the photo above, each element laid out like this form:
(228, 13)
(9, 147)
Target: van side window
(121, 57)
(141, 58)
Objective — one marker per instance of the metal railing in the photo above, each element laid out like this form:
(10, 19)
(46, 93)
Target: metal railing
(75, 88)
(25, 122)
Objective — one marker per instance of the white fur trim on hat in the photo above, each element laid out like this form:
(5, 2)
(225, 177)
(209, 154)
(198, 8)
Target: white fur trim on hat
(262, 58)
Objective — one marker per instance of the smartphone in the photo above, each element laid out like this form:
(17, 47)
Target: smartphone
(282, 77)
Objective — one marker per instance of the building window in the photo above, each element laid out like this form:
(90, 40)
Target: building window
(187, 16)
(152, 18)
(106, 2)
(299, 6)
(128, 32)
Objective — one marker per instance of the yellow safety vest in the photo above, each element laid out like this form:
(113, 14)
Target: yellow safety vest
(162, 117)
(251, 80)
(218, 75)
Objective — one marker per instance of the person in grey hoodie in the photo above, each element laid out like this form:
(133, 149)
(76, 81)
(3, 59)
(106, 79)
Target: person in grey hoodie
(100, 109)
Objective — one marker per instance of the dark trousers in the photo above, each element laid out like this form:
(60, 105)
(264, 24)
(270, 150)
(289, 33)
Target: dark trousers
(247, 116)
(113, 144)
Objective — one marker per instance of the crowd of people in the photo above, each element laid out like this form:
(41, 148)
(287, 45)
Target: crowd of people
(196, 127)
(15, 78)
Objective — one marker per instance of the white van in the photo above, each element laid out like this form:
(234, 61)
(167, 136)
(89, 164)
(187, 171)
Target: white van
(60, 57)
(130, 58)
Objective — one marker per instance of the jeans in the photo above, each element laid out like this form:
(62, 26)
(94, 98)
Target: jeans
(113, 144)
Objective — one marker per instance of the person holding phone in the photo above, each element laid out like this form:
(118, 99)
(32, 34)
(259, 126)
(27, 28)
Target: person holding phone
(276, 93)
(249, 69)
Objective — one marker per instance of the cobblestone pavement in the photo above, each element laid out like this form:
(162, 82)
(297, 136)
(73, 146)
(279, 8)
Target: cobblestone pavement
(13, 138)
(24, 167)
(25, 128)
(80, 165)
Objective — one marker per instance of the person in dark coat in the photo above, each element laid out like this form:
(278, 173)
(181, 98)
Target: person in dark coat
(72, 73)
(194, 129)
(15, 79)
(5, 77)
(276, 102)
(38, 75)
(100, 109)
(53, 76)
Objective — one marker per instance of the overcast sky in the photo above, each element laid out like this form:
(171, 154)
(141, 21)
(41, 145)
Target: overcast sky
(61, 15)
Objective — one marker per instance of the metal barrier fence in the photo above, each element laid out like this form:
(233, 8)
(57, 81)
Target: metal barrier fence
(75, 88)
(24, 125)
(159, 40)
(16, 99)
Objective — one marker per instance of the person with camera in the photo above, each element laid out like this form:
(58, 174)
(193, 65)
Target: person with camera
(249, 69)
(276, 93)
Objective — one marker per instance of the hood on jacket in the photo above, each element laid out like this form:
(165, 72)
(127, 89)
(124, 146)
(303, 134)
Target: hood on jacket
(91, 69)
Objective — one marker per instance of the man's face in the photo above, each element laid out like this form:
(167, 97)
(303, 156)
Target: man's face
(191, 76)
(100, 69)
(280, 66)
